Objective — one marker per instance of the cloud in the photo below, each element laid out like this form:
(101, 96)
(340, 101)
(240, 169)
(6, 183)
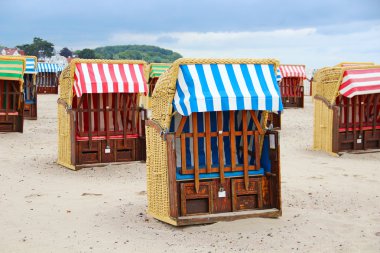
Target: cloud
(312, 46)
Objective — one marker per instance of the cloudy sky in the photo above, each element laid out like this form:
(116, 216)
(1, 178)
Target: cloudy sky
(316, 33)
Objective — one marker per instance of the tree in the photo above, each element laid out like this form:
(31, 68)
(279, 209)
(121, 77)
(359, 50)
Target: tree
(66, 52)
(87, 54)
(38, 45)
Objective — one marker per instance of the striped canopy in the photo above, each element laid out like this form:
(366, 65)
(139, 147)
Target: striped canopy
(12, 69)
(49, 67)
(360, 82)
(30, 65)
(109, 78)
(278, 76)
(156, 69)
(224, 87)
(292, 71)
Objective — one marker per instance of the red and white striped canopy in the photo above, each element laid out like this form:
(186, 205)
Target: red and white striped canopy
(109, 78)
(292, 71)
(360, 82)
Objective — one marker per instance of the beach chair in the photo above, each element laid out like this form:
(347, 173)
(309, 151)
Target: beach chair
(11, 95)
(347, 108)
(48, 78)
(30, 88)
(291, 85)
(153, 72)
(100, 121)
(209, 156)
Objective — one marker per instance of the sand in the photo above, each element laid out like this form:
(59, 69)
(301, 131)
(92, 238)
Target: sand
(330, 204)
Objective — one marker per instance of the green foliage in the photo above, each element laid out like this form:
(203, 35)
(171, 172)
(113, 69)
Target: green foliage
(137, 52)
(87, 54)
(38, 45)
(66, 52)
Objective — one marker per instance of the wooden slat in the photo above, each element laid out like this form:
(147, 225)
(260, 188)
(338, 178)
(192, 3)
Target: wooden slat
(232, 140)
(133, 108)
(97, 111)
(348, 104)
(257, 122)
(181, 125)
(208, 141)
(124, 118)
(196, 153)
(183, 153)
(89, 120)
(375, 112)
(107, 121)
(257, 150)
(355, 101)
(220, 146)
(116, 112)
(245, 150)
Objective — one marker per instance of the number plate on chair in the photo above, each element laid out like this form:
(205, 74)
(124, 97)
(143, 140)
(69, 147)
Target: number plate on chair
(221, 194)
(359, 141)
(107, 150)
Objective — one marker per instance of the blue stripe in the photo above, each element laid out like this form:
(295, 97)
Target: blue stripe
(205, 90)
(235, 86)
(227, 174)
(276, 86)
(220, 87)
(181, 99)
(190, 87)
(264, 87)
(251, 89)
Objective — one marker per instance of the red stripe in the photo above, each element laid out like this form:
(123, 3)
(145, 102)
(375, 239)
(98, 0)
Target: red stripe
(92, 78)
(80, 80)
(143, 78)
(361, 71)
(113, 77)
(103, 78)
(360, 80)
(123, 77)
(361, 88)
(134, 78)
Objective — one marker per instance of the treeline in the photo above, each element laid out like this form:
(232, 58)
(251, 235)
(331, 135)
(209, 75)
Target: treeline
(131, 52)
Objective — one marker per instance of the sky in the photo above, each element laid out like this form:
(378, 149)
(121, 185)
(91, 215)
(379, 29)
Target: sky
(316, 33)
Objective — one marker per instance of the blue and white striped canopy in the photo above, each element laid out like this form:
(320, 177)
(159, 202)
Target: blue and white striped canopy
(279, 76)
(30, 66)
(226, 87)
(49, 67)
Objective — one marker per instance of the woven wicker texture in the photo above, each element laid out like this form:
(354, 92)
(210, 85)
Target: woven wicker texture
(326, 84)
(157, 164)
(66, 94)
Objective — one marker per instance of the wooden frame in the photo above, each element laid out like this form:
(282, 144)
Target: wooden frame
(357, 121)
(197, 201)
(96, 144)
(30, 97)
(292, 92)
(47, 82)
(11, 107)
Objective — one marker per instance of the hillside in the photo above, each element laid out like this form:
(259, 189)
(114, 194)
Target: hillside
(137, 52)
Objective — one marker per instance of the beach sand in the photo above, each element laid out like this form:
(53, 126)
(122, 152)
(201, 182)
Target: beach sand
(330, 204)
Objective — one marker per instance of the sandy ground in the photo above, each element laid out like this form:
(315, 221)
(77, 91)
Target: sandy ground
(330, 204)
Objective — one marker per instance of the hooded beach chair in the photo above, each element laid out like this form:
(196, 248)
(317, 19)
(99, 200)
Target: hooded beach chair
(209, 155)
(30, 88)
(11, 95)
(347, 107)
(291, 85)
(48, 78)
(100, 121)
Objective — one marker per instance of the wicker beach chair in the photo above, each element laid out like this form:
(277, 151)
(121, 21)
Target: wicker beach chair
(347, 107)
(11, 93)
(291, 85)
(100, 121)
(48, 78)
(209, 155)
